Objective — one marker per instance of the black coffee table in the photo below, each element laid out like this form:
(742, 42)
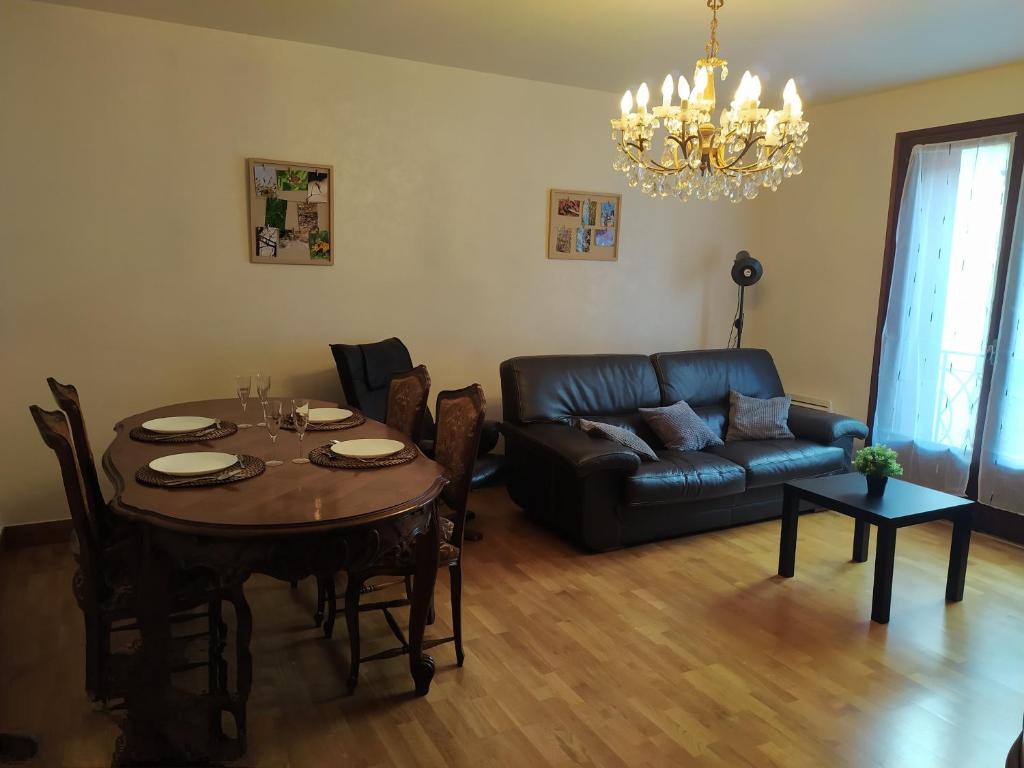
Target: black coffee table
(903, 504)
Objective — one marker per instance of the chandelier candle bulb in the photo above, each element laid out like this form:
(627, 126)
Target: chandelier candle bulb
(771, 136)
(627, 105)
(700, 84)
(642, 95)
(741, 92)
(666, 91)
(684, 90)
(793, 106)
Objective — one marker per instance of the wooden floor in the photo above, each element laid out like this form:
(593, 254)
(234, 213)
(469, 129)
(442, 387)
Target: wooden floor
(687, 652)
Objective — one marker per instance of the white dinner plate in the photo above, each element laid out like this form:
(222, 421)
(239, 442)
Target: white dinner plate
(327, 415)
(367, 448)
(193, 464)
(173, 425)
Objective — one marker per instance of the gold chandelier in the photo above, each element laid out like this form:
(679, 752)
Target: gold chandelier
(750, 149)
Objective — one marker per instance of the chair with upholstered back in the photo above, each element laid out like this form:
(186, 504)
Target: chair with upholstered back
(405, 411)
(460, 422)
(407, 402)
(460, 418)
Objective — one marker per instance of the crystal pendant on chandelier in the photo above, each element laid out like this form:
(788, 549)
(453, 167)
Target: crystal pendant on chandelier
(750, 148)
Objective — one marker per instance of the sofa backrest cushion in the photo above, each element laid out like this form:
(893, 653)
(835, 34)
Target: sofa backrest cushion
(715, 416)
(705, 377)
(562, 388)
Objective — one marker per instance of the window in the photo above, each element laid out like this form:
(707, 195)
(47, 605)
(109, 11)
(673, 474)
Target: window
(946, 371)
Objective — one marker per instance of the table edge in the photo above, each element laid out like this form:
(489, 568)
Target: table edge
(939, 513)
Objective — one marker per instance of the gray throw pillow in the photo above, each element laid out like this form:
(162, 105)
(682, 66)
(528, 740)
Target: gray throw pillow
(621, 436)
(755, 418)
(679, 428)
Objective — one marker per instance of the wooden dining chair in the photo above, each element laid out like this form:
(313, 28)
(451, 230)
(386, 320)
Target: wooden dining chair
(406, 410)
(460, 418)
(407, 402)
(103, 587)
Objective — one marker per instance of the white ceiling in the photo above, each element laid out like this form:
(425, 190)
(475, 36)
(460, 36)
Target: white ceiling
(833, 47)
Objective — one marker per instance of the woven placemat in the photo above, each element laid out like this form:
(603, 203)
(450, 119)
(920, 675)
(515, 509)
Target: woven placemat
(249, 466)
(352, 421)
(210, 433)
(324, 457)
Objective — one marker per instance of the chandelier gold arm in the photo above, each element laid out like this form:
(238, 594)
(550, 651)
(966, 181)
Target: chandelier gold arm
(771, 158)
(715, 158)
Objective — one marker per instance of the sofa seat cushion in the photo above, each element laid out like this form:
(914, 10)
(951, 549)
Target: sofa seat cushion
(770, 462)
(684, 475)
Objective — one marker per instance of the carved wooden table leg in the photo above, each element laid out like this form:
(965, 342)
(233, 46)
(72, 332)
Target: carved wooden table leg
(144, 741)
(427, 546)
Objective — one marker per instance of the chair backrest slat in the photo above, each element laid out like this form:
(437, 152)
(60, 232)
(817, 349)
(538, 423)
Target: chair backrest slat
(68, 401)
(53, 427)
(407, 401)
(460, 421)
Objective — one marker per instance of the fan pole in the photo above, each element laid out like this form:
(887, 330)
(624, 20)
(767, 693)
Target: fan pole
(739, 319)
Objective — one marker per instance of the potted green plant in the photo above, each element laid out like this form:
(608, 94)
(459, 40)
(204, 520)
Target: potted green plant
(877, 463)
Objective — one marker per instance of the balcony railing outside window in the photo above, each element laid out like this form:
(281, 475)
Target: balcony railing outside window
(959, 388)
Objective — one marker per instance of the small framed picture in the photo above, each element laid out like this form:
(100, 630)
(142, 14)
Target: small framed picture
(583, 225)
(291, 212)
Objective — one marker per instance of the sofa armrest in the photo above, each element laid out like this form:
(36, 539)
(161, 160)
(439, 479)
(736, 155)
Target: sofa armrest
(823, 427)
(584, 454)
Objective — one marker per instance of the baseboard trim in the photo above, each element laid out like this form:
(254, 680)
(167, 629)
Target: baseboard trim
(999, 523)
(32, 534)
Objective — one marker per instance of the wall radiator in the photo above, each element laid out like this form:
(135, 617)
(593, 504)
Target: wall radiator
(811, 402)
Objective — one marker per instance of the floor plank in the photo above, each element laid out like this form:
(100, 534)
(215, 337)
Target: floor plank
(686, 652)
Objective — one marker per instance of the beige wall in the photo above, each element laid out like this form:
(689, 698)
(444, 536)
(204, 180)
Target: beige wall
(821, 240)
(123, 251)
(123, 262)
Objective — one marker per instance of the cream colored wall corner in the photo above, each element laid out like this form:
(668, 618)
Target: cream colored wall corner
(123, 265)
(821, 236)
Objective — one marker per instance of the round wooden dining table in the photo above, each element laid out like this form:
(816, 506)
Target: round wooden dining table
(290, 522)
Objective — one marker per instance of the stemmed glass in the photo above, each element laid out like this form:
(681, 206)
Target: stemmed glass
(300, 419)
(273, 412)
(263, 393)
(242, 386)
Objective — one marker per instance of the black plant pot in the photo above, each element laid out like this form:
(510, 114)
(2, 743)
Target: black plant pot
(876, 485)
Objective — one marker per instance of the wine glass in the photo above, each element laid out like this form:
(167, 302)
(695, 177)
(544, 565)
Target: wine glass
(263, 393)
(300, 420)
(242, 386)
(273, 412)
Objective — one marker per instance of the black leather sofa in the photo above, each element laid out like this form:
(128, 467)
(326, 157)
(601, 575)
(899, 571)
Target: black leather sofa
(602, 496)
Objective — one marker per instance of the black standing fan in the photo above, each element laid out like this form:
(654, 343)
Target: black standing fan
(746, 271)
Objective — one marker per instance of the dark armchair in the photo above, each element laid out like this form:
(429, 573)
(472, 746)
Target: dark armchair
(365, 371)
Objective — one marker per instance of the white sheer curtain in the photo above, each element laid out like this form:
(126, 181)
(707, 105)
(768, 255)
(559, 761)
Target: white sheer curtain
(1001, 481)
(936, 327)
